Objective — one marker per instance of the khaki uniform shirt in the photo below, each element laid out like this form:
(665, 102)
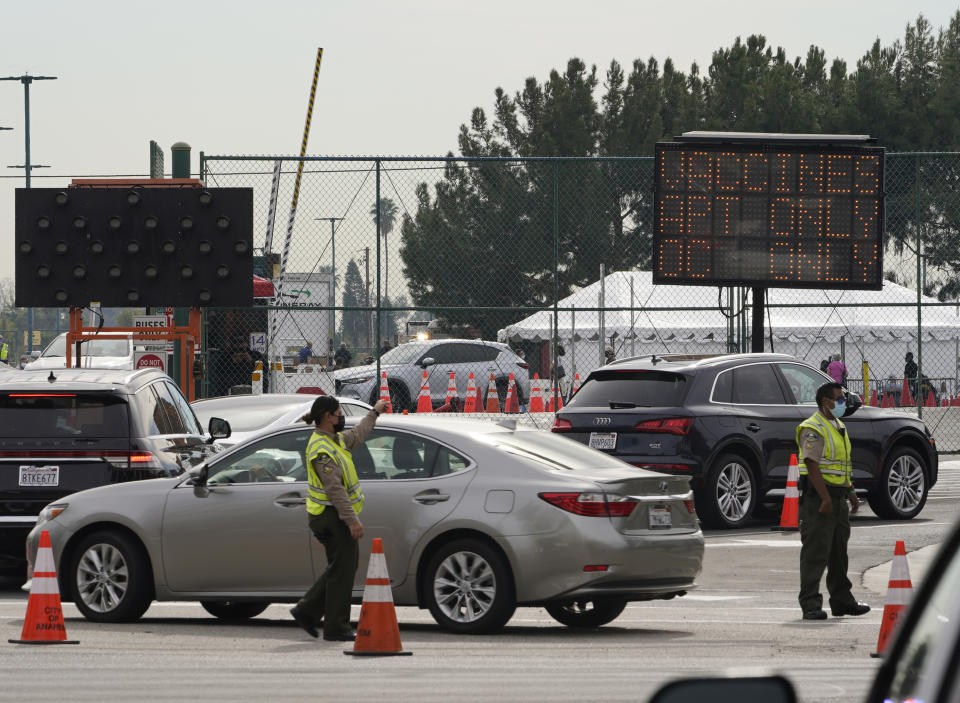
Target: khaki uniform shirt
(813, 443)
(331, 475)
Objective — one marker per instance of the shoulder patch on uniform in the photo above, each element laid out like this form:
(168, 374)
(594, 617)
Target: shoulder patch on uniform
(811, 436)
(328, 469)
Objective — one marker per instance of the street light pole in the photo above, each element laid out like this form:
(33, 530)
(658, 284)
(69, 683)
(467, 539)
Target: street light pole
(27, 166)
(333, 272)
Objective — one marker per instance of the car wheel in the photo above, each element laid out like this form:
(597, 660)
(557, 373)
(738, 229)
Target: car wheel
(230, 610)
(589, 613)
(111, 578)
(468, 588)
(903, 488)
(728, 495)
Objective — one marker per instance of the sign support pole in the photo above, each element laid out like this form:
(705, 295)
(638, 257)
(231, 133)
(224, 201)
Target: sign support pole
(759, 303)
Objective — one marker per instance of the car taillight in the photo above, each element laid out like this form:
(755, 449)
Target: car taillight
(670, 425)
(561, 425)
(590, 504)
(689, 504)
(135, 459)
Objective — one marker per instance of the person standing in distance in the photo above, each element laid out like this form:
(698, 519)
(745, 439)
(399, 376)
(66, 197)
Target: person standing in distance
(826, 484)
(306, 351)
(334, 502)
(837, 370)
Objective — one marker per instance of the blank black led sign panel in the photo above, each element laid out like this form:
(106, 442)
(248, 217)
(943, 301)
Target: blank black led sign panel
(130, 247)
(769, 215)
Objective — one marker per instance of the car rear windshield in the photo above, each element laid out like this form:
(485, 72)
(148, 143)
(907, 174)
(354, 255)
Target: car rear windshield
(655, 389)
(246, 417)
(63, 415)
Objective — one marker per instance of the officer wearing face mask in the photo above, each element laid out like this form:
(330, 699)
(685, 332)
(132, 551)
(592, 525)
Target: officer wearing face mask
(826, 484)
(334, 502)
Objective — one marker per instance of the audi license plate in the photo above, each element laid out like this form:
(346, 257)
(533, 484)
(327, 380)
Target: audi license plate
(660, 518)
(603, 440)
(39, 475)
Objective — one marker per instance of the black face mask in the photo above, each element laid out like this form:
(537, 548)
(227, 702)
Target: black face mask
(340, 424)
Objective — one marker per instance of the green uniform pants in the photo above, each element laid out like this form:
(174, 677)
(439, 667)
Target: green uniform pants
(329, 598)
(824, 546)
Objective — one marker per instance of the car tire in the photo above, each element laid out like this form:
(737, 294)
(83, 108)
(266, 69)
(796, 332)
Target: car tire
(728, 495)
(903, 487)
(468, 588)
(233, 610)
(111, 578)
(589, 613)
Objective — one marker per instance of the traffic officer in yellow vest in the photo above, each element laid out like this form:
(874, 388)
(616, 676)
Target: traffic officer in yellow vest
(4, 351)
(334, 502)
(826, 484)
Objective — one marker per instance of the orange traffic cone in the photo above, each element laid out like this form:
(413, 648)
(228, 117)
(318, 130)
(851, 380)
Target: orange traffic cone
(385, 391)
(906, 400)
(479, 398)
(512, 405)
(898, 596)
(887, 400)
(424, 404)
(576, 384)
(790, 516)
(377, 631)
(470, 406)
(451, 390)
(930, 402)
(536, 395)
(873, 399)
(43, 623)
(493, 398)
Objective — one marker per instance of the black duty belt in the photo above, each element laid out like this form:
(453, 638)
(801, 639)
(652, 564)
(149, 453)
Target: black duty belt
(832, 490)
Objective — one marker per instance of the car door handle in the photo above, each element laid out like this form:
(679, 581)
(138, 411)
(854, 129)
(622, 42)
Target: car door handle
(291, 501)
(753, 427)
(431, 497)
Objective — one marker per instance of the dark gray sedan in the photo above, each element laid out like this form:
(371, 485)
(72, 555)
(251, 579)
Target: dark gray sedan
(476, 519)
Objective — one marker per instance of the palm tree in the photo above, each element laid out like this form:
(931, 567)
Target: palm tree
(388, 217)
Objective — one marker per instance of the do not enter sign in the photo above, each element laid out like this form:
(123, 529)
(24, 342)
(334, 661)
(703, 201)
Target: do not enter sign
(149, 360)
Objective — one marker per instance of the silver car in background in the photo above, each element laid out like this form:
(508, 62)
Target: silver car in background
(476, 519)
(106, 353)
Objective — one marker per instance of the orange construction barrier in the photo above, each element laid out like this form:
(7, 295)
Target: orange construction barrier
(898, 596)
(43, 623)
(512, 405)
(385, 391)
(790, 516)
(377, 631)
(451, 390)
(906, 400)
(493, 398)
(470, 406)
(955, 402)
(424, 404)
(536, 395)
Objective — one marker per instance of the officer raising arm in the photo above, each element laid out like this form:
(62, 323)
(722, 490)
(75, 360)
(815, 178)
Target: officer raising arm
(334, 502)
(826, 484)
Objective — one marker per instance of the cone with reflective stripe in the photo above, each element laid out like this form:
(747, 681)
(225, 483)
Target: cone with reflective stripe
(43, 623)
(479, 394)
(493, 398)
(377, 631)
(873, 399)
(451, 390)
(385, 391)
(898, 597)
(512, 405)
(930, 402)
(470, 406)
(536, 395)
(906, 400)
(887, 400)
(424, 404)
(576, 384)
(790, 516)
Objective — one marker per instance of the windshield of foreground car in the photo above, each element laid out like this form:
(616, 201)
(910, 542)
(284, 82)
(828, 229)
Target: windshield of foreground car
(404, 354)
(561, 452)
(245, 417)
(94, 347)
(653, 389)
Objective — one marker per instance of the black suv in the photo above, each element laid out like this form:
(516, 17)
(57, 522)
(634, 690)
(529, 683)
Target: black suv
(65, 430)
(729, 422)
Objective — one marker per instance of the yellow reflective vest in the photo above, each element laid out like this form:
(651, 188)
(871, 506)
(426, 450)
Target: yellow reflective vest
(4, 351)
(322, 448)
(836, 466)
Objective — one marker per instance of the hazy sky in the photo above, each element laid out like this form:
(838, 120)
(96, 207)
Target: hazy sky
(397, 77)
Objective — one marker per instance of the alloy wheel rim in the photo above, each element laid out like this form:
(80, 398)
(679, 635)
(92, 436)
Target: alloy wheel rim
(464, 587)
(102, 578)
(905, 483)
(734, 491)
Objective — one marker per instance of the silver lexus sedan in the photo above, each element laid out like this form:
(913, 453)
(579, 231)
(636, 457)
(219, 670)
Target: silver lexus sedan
(476, 519)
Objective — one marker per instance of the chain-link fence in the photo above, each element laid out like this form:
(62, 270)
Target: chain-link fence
(546, 261)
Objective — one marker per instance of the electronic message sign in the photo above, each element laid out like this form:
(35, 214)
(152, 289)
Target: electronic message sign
(779, 214)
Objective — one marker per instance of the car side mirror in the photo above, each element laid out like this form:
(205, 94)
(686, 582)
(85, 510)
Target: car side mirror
(198, 474)
(427, 361)
(853, 404)
(218, 428)
(770, 689)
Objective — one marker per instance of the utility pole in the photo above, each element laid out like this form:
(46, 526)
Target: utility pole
(333, 278)
(27, 166)
(366, 295)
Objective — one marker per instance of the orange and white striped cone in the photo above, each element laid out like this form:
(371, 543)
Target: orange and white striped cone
(451, 390)
(536, 395)
(898, 597)
(552, 400)
(43, 623)
(424, 404)
(493, 398)
(790, 515)
(512, 404)
(479, 394)
(470, 405)
(576, 384)
(377, 631)
(906, 400)
(385, 391)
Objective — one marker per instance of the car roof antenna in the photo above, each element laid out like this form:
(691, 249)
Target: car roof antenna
(654, 359)
(51, 377)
